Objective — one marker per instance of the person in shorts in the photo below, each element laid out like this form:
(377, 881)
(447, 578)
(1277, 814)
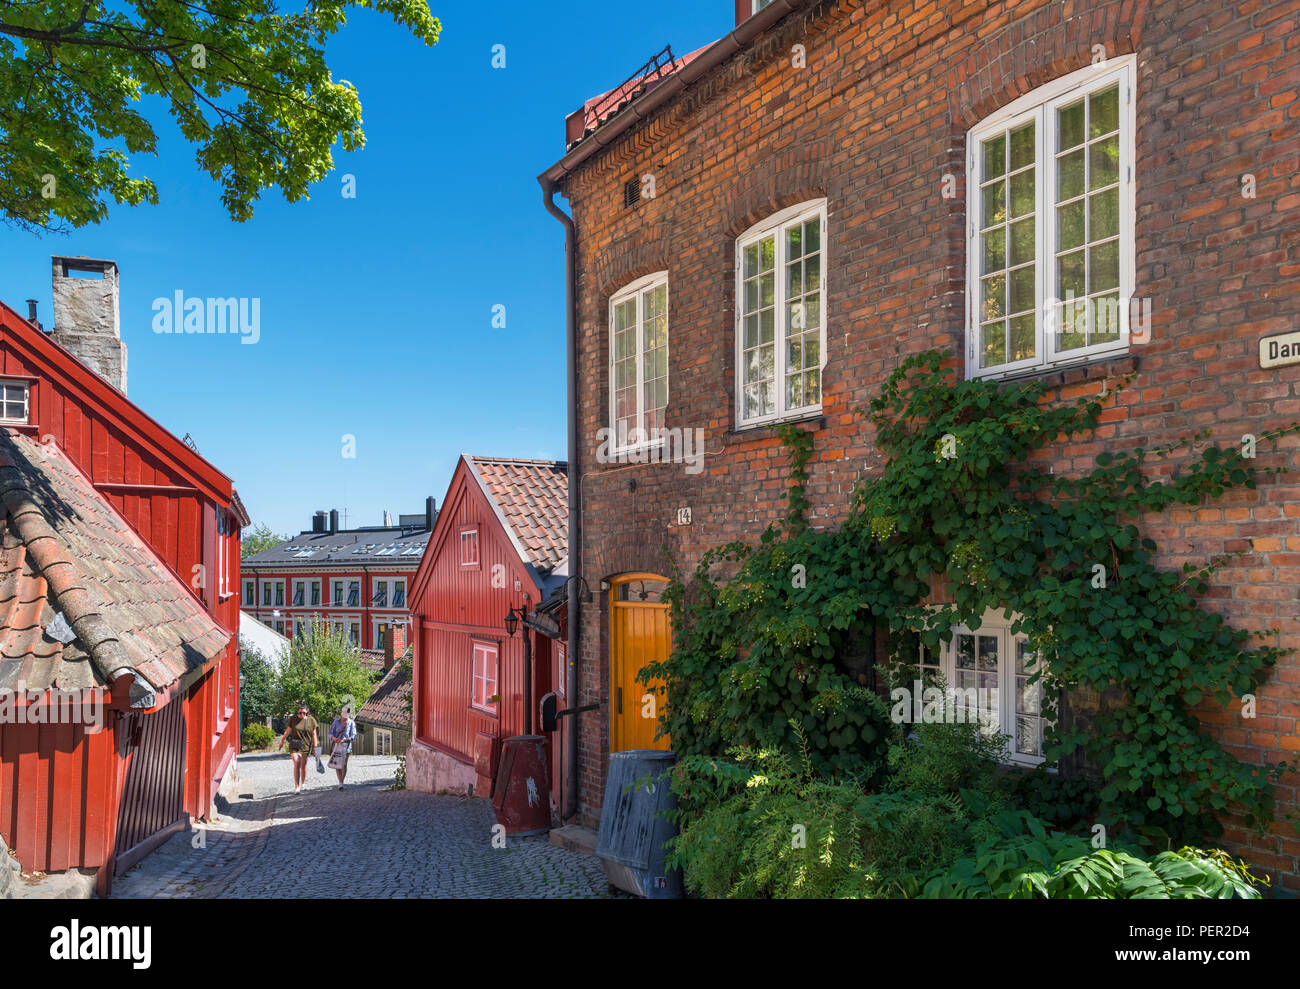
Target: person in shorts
(301, 735)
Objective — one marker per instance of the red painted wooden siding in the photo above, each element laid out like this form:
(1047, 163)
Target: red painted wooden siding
(153, 791)
(62, 816)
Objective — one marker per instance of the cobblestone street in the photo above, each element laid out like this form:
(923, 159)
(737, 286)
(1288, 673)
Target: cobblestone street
(364, 841)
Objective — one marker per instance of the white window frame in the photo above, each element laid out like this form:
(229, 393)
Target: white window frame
(485, 648)
(636, 290)
(1040, 106)
(250, 584)
(772, 226)
(26, 387)
(476, 562)
(383, 741)
(996, 623)
(314, 590)
(392, 600)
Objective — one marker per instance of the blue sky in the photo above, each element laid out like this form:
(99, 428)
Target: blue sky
(376, 311)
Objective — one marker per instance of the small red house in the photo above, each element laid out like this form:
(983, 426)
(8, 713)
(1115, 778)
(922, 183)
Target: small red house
(119, 572)
(499, 544)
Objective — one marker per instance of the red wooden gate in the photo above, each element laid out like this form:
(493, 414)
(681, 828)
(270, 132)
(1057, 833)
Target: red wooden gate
(153, 796)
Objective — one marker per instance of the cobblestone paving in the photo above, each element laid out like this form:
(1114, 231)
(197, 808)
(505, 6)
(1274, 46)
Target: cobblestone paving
(363, 841)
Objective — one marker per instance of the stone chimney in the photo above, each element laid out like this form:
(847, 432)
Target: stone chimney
(394, 645)
(85, 316)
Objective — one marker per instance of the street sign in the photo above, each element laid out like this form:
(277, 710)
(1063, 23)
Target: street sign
(1279, 350)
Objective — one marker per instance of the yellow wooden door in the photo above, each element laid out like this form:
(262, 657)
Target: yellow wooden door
(639, 634)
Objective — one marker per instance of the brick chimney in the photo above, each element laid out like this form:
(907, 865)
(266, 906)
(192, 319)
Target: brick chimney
(86, 316)
(394, 645)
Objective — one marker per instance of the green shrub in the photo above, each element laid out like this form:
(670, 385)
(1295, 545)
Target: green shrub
(257, 736)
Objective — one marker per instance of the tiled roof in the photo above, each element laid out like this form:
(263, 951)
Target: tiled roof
(65, 550)
(350, 548)
(387, 705)
(373, 660)
(598, 109)
(533, 499)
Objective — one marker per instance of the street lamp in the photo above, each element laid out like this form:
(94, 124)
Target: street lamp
(513, 617)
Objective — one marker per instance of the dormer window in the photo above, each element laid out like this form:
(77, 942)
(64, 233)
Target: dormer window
(14, 401)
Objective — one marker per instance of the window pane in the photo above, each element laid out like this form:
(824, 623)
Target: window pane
(1022, 242)
(1103, 214)
(995, 249)
(994, 297)
(1022, 337)
(1070, 126)
(1069, 175)
(1023, 286)
(1103, 266)
(995, 157)
(1069, 222)
(1022, 193)
(1103, 109)
(1103, 162)
(1022, 146)
(1106, 318)
(993, 344)
(1071, 276)
(995, 204)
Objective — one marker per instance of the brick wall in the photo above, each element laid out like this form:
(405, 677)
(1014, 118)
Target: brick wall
(873, 123)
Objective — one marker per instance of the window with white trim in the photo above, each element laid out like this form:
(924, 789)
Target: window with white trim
(399, 594)
(315, 593)
(989, 671)
(1050, 255)
(638, 361)
(383, 742)
(780, 315)
(15, 401)
(484, 685)
(272, 593)
(299, 593)
(250, 593)
(469, 548)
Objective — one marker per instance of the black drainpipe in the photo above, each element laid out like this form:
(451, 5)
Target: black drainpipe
(575, 515)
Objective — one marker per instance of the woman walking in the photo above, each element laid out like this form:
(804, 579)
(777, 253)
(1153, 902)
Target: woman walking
(302, 737)
(343, 732)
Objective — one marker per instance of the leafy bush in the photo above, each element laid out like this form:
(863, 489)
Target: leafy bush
(323, 669)
(257, 690)
(1056, 866)
(256, 737)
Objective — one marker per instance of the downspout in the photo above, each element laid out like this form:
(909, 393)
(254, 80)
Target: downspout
(575, 493)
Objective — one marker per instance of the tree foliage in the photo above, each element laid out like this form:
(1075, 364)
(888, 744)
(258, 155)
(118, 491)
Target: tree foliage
(247, 85)
(324, 670)
(257, 691)
(761, 633)
(257, 539)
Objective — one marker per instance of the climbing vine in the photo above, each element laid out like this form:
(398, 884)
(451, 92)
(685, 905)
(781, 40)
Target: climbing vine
(776, 631)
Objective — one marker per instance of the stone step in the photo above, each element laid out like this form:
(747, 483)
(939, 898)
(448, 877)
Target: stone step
(575, 838)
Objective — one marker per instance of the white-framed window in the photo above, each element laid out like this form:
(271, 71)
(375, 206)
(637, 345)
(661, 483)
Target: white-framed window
(1050, 248)
(638, 361)
(989, 670)
(383, 742)
(560, 672)
(379, 594)
(315, 593)
(272, 593)
(299, 593)
(250, 593)
(337, 592)
(354, 593)
(354, 633)
(781, 315)
(469, 548)
(484, 685)
(399, 593)
(15, 401)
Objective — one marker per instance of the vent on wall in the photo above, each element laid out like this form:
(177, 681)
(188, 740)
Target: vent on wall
(631, 192)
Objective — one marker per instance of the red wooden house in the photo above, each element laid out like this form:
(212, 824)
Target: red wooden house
(119, 570)
(500, 543)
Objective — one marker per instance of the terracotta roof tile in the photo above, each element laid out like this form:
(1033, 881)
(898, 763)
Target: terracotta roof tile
(533, 498)
(63, 549)
(387, 705)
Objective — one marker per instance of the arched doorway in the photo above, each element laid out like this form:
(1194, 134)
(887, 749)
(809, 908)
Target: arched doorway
(639, 634)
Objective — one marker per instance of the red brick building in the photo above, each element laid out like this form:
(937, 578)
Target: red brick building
(356, 580)
(764, 233)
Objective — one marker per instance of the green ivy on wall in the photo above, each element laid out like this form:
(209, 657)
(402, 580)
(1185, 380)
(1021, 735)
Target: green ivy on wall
(770, 632)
